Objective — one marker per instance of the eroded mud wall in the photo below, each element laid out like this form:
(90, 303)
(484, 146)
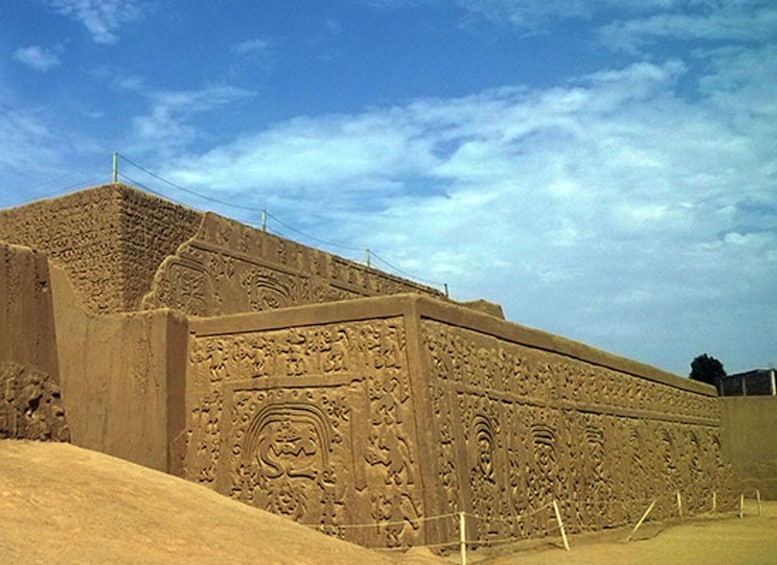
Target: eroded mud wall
(30, 400)
(750, 441)
(121, 377)
(110, 240)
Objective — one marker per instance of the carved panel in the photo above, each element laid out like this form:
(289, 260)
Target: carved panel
(292, 452)
(314, 423)
(248, 270)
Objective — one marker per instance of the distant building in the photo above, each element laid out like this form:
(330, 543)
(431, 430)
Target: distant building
(758, 382)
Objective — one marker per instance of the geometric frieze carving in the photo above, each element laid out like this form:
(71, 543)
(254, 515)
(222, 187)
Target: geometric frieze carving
(230, 268)
(338, 424)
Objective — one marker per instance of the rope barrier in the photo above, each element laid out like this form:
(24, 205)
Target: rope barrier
(62, 189)
(537, 533)
(517, 518)
(427, 545)
(422, 519)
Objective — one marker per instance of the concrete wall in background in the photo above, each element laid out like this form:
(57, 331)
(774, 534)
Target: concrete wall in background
(749, 433)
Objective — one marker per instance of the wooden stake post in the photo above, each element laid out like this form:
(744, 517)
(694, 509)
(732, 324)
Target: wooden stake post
(463, 537)
(645, 515)
(561, 525)
(680, 506)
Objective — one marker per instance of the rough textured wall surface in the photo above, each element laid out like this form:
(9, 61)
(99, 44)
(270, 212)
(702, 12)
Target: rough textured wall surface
(750, 441)
(30, 402)
(110, 240)
(399, 409)
(121, 377)
(31, 405)
(229, 268)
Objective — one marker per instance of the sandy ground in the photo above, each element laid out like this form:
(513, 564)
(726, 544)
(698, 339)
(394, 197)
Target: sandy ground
(722, 539)
(62, 504)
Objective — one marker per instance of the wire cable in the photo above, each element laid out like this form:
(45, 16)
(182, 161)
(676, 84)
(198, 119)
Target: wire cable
(189, 191)
(402, 272)
(61, 189)
(327, 243)
(330, 244)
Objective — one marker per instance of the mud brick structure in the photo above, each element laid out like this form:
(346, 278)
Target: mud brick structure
(327, 391)
(393, 409)
(30, 400)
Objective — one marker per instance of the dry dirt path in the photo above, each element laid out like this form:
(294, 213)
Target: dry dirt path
(62, 504)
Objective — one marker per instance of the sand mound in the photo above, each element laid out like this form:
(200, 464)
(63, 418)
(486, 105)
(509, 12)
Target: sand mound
(63, 504)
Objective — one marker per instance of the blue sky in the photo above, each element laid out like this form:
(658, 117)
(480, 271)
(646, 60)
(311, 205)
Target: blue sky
(604, 169)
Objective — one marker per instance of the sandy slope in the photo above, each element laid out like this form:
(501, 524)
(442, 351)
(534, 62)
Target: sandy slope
(62, 504)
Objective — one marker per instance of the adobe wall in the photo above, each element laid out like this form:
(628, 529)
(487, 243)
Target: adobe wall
(228, 268)
(288, 378)
(30, 401)
(125, 250)
(519, 418)
(398, 408)
(110, 240)
(121, 377)
(307, 412)
(749, 430)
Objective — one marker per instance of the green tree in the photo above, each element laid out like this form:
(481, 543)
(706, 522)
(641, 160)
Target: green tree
(707, 369)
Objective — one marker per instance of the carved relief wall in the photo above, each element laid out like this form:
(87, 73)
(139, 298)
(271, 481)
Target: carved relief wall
(229, 268)
(311, 422)
(398, 409)
(519, 427)
(110, 240)
(125, 250)
(362, 417)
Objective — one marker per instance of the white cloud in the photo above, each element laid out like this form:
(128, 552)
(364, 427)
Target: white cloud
(168, 126)
(26, 141)
(34, 154)
(252, 46)
(735, 21)
(102, 18)
(252, 53)
(606, 197)
(37, 57)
